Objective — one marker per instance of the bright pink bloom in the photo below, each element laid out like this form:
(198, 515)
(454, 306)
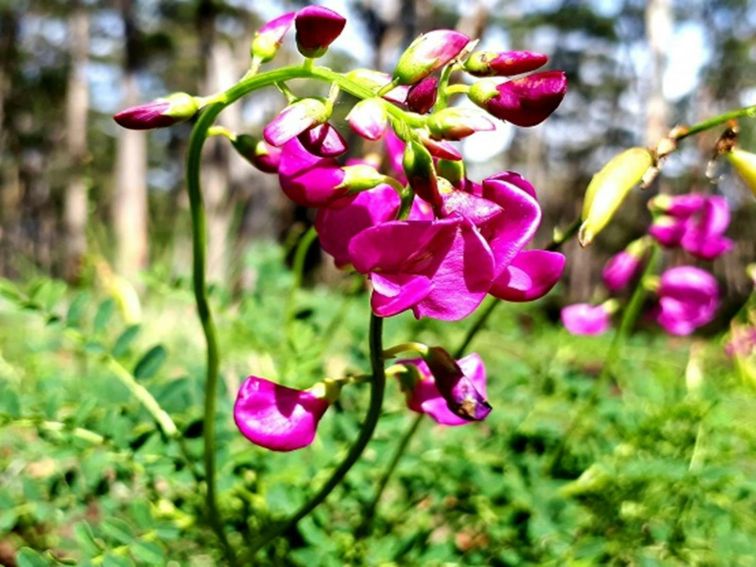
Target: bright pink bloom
(269, 37)
(368, 118)
(159, 113)
(531, 275)
(323, 140)
(468, 390)
(422, 96)
(667, 230)
(526, 101)
(620, 270)
(688, 299)
(507, 63)
(440, 268)
(317, 27)
(678, 206)
(586, 319)
(703, 236)
(309, 180)
(295, 119)
(277, 417)
(427, 53)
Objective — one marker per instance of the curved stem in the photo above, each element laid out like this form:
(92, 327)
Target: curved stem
(377, 388)
(562, 236)
(686, 131)
(199, 255)
(297, 268)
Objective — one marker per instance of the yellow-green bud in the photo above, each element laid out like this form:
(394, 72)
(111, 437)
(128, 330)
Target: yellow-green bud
(745, 164)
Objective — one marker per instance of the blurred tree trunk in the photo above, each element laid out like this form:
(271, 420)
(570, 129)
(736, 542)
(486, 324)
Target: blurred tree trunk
(77, 106)
(658, 33)
(130, 198)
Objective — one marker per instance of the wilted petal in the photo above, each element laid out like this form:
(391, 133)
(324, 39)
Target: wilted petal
(531, 275)
(277, 417)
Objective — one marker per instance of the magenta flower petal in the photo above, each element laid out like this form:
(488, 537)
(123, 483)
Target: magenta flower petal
(441, 149)
(427, 53)
(507, 63)
(323, 140)
(531, 275)
(159, 113)
(422, 96)
(337, 227)
(396, 293)
(317, 27)
(586, 319)
(368, 118)
(516, 180)
(620, 270)
(395, 153)
(679, 206)
(667, 231)
(530, 100)
(688, 299)
(309, 180)
(703, 235)
(269, 37)
(295, 119)
(277, 417)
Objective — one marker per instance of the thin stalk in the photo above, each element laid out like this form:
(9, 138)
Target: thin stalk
(685, 132)
(297, 268)
(477, 326)
(199, 255)
(377, 388)
(563, 236)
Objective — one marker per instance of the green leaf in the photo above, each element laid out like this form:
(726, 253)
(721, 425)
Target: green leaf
(124, 340)
(150, 363)
(86, 539)
(148, 552)
(9, 291)
(27, 557)
(118, 530)
(77, 309)
(103, 316)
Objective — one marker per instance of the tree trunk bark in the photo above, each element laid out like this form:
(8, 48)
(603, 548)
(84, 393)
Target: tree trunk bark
(77, 106)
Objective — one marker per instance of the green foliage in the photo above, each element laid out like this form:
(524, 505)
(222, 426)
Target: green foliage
(645, 473)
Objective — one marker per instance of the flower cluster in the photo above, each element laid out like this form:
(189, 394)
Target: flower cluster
(686, 296)
(427, 238)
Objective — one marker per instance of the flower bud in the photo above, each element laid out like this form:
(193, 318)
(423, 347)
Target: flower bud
(323, 140)
(524, 102)
(745, 164)
(159, 113)
(456, 123)
(507, 63)
(360, 178)
(678, 206)
(375, 81)
(688, 299)
(422, 96)
(461, 396)
(421, 175)
(368, 118)
(608, 189)
(317, 27)
(452, 170)
(257, 152)
(621, 268)
(295, 119)
(268, 38)
(427, 53)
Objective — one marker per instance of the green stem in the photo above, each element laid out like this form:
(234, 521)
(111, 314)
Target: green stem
(378, 385)
(297, 268)
(562, 236)
(199, 254)
(747, 112)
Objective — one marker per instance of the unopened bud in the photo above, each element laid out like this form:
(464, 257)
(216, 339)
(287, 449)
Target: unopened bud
(295, 119)
(159, 113)
(508, 63)
(422, 96)
(317, 27)
(268, 38)
(360, 178)
(257, 152)
(421, 175)
(608, 189)
(456, 123)
(427, 53)
(745, 164)
(368, 118)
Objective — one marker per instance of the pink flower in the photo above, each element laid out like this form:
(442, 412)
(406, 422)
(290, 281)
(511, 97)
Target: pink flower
(317, 28)
(586, 319)
(427, 53)
(309, 180)
(438, 268)
(620, 270)
(667, 230)
(531, 275)
(422, 96)
(524, 102)
(159, 113)
(688, 299)
(368, 118)
(464, 392)
(507, 63)
(703, 236)
(295, 119)
(269, 37)
(678, 206)
(264, 157)
(323, 140)
(277, 417)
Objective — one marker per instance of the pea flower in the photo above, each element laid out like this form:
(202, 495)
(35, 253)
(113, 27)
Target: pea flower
(257, 152)
(295, 119)
(317, 28)
(269, 37)
(688, 299)
(529, 276)
(621, 268)
(159, 113)
(310, 180)
(455, 395)
(368, 118)
(587, 319)
(507, 63)
(430, 51)
(277, 417)
(524, 102)
(323, 140)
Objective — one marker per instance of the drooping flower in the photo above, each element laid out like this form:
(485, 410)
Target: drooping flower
(159, 113)
(688, 299)
(269, 37)
(506, 64)
(310, 180)
(429, 51)
(466, 389)
(277, 417)
(295, 119)
(368, 118)
(524, 102)
(317, 28)
(587, 319)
